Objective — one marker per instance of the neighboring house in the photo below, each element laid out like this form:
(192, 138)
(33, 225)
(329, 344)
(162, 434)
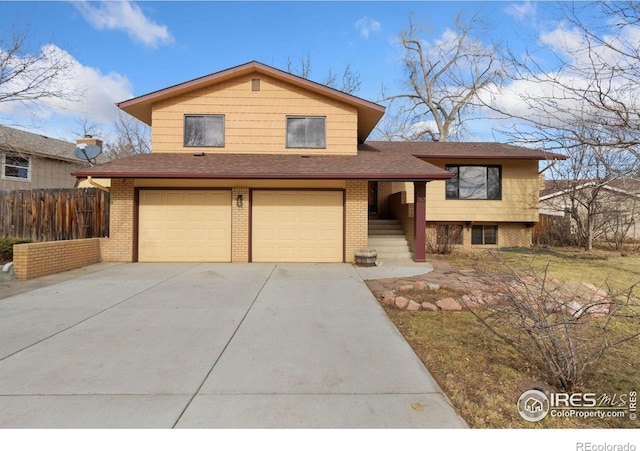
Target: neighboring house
(616, 205)
(31, 161)
(253, 164)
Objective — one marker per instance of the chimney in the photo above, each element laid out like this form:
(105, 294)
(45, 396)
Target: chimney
(89, 139)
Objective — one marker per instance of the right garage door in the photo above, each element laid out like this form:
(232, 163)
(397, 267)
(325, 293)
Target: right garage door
(297, 226)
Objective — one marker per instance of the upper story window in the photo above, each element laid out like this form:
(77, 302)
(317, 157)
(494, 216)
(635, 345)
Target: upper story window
(474, 182)
(204, 130)
(16, 167)
(306, 132)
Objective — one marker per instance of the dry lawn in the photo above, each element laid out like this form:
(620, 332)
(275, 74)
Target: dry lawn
(480, 374)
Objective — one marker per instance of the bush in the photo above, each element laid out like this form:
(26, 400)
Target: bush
(562, 329)
(6, 247)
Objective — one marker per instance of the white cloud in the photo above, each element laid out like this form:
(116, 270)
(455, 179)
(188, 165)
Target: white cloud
(88, 92)
(522, 11)
(124, 15)
(366, 26)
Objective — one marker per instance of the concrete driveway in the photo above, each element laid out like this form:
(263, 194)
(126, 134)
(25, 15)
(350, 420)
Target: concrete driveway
(211, 346)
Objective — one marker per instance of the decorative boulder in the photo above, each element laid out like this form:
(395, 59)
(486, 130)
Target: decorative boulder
(402, 303)
(449, 304)
(429, 307)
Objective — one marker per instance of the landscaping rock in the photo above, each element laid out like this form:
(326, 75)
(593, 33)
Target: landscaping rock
(420, 285)
(388, 298)
(429, 307)
(449, 304)
(467, 302)
(406, 287)
(433, 286)
(402, 303)
(413, 306)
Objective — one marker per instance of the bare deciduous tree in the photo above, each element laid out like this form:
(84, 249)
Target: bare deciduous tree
(348, 81)
(131, 137)
(585, 91)
(444, 78)
(28, 76)
(583, 181)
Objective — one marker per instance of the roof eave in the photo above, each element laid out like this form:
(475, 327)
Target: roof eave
(336, 176)
(488, 157)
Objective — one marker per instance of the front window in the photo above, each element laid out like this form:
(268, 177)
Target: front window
(204, 130)
(16, 167)
(474, 182)
(306, 132)
(484, 234)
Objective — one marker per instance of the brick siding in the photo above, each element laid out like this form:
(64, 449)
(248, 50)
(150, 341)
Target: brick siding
(240, 226)
(510, 234)
(357, 217)
(119, 246)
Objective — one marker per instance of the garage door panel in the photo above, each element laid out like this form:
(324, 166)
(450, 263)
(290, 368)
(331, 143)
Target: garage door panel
(297, 226)
(177, 225)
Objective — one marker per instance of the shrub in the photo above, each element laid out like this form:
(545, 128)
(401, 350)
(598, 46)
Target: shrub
(443, 238)
(6, 247)
(562, 329)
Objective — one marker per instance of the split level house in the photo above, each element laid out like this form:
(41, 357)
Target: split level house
(253, 164)
(32, 161)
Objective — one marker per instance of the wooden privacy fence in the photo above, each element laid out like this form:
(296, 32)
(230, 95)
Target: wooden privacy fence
(54, 214)
(551, 230)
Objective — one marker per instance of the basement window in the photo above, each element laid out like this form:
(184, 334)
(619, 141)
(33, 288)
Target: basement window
(204, 130)
(484, 234)
(16, 167)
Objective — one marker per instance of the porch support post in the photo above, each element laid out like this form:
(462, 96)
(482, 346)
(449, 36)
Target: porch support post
(419, 202)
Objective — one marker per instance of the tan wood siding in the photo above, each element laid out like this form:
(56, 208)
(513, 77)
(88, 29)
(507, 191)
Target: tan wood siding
(184, 225)
(254, 120)
(519, 201)
(297, 226)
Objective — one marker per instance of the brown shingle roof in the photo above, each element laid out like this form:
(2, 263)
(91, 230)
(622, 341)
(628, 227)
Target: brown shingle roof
(374, 161)
(464, 150)
(625, 184)
(19, 141)
(368, 164)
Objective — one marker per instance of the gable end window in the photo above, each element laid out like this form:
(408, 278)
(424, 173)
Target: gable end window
(16, 167)
(308, 132)
(474, 182)
(484, 234)
(204, 130)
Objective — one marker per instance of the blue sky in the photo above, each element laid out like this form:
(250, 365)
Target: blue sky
(122, 49)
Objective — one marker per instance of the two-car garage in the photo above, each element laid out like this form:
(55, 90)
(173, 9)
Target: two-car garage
(197, 225)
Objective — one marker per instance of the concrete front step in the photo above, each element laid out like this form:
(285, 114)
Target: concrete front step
(387, 237)
(383, 221)
(395, 256)
(386, 232)
(385, 227)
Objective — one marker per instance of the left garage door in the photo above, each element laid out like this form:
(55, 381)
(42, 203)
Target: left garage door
(184, 225)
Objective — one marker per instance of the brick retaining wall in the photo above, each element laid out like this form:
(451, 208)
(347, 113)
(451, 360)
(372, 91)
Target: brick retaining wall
(33, 260)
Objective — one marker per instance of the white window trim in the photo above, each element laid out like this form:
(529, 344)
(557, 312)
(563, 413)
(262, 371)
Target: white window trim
(16, 179)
